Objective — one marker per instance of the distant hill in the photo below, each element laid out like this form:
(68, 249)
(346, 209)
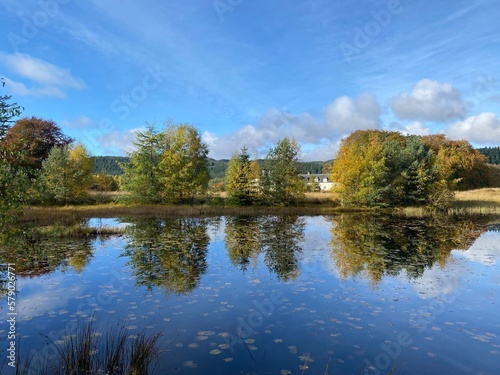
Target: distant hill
(216, 168)
(492, 153)
(109, 164)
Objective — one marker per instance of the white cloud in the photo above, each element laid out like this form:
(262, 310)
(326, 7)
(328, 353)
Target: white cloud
(81, 122)
(432, 101)
(481, 129)
(412, 128)
(341, 117)
(20, 88)
(320, 152)
(119, 142)
(49, 79)
(346, 115)
(271, 127)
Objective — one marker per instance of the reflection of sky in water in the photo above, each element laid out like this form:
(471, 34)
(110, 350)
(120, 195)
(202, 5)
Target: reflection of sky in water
(106, 222)
(449, 314)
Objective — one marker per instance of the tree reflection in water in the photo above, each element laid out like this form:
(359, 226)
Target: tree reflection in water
(277, 237)
(377, 246)
(34, 256)
(169, 253)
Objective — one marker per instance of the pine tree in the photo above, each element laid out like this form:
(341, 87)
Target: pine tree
(282, 184)
(184, 164)
(7, 112)
(142, 174)
(243, 178)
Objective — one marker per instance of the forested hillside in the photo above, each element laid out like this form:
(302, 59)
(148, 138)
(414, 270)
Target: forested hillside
(109, 164)
(492, 153)
(217, 168)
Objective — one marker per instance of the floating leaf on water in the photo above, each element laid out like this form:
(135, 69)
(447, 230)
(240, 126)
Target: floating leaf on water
(193, 345)
(278, 341)
(305, 357)
(252, 347)
(166, 319)
(223, 346)
(133, 336)
(249, 341)
(285, 372)
(228, 359)
(191, 364)
(432, 355)
(206, 333)
(224, 334)
(179, 345)
(201, 338)
(267, 331)
(215, 351)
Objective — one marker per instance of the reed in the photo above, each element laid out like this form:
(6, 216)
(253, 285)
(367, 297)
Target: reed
(89, 352)
(75, 230)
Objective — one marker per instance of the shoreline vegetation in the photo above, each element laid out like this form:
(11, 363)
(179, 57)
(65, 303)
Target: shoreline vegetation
(466, 203)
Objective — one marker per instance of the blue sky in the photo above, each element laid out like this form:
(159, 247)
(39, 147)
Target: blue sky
(248, 73)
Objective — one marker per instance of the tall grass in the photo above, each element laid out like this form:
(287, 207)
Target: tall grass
(87, 352)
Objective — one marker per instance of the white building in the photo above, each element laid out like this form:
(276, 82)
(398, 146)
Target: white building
(319, 180)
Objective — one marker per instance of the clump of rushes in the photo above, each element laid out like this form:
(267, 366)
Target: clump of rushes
(89, 352)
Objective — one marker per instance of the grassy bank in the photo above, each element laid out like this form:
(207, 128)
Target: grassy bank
(480, 201)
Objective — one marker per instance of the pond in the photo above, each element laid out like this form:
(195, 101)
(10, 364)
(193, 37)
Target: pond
(349, 294)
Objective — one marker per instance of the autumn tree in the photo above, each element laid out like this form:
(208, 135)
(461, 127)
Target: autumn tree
(7, 112)
(105, 182)
(380, 168)
(460, 165)
(33, 139)
(184, 164)
(141, 176)
(359, 170)
(243, 178)
(282, 183)
(167, 167)
(66, 174)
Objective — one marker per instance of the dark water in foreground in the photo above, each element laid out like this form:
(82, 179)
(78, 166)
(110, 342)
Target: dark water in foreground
(274, 295)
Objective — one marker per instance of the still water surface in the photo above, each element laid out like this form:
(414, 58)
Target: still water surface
(276, 295)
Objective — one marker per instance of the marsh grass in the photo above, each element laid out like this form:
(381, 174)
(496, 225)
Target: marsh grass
(90, 352)
(68, 215)
(472, 202)
(466, 203)
(75, 230)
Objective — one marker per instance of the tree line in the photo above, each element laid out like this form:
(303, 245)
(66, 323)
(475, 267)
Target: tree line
(171, 166)
(492, 153)
(40, 164)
